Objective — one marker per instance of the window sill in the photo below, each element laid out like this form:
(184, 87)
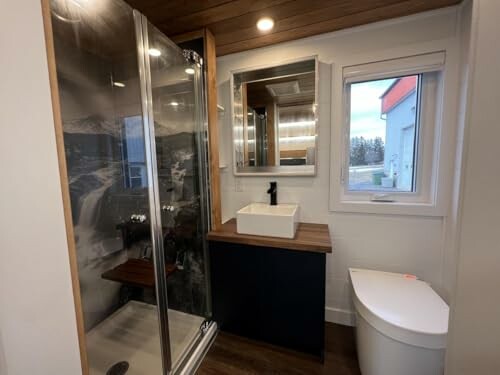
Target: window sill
(389, 208)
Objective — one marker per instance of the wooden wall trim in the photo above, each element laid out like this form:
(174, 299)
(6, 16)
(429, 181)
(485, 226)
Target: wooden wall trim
(186, 37)
(70, 237)
(213, 129)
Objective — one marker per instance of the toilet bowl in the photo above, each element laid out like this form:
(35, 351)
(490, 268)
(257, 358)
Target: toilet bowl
(401, 324)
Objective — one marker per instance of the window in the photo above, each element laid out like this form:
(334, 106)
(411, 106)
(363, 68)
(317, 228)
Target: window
(390, 147)
(133, 154)
(136, 176)
(383, 134)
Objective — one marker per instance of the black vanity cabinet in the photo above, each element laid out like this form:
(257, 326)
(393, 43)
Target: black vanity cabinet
(271, 289)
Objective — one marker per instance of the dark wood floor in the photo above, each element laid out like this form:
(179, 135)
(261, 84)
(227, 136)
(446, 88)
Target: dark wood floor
(233, 355)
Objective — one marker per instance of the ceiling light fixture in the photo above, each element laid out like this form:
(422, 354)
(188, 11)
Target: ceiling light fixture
(174, 104)
(154, 52)
(189, 70)
(118, 84)
(265, 24)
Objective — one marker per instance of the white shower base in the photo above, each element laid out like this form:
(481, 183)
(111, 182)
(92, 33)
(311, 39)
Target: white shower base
(131, 334)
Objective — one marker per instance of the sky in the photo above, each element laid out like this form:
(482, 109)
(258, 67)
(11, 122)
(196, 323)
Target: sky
(366, 108)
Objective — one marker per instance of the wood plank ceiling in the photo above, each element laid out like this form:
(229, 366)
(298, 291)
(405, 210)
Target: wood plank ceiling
(234, 22)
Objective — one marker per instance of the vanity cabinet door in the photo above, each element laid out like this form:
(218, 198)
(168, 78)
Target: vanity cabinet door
(268, 294)
(292, 299)
(234, 288)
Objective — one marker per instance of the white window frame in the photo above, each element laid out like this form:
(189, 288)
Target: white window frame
(434, 155)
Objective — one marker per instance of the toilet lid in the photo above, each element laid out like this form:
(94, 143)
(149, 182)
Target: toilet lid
(401, 307)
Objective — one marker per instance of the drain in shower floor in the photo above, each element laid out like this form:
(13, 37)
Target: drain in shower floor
(119, 368)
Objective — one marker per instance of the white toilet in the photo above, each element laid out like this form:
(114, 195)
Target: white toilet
(401, 324)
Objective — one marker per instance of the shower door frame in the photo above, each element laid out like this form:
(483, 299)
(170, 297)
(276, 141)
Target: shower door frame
(142, 40)
(193, 354)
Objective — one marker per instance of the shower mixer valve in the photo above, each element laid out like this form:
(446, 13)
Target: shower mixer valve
(168, 208)
(138, 218)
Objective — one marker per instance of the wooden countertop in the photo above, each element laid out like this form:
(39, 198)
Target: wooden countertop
(309, 237)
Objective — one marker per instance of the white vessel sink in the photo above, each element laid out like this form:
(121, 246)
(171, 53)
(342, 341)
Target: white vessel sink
(262, 219)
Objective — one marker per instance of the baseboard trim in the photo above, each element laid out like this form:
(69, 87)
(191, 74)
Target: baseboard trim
(340, 316)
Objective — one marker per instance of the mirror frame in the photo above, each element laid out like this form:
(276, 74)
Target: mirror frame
(295, 170)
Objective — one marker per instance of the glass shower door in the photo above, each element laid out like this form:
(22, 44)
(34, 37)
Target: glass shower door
(134, 137)
(109, 180)
(174, 107)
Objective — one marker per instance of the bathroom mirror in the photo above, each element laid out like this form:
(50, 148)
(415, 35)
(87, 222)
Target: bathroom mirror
(274, 119)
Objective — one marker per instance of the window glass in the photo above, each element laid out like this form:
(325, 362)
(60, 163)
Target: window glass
(383, 134)
(134, 160)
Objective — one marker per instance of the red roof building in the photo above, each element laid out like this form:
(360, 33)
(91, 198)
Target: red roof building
(396, 92)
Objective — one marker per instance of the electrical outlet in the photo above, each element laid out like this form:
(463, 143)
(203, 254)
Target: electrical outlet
(238, 186)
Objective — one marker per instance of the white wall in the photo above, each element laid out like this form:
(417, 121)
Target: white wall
(452, 220)
(410, 244)
(474, 338)
(37, 318)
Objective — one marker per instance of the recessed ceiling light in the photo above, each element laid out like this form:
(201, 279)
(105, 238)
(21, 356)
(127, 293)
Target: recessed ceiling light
(118, 84)
(174, 104)
(154, 52)
(189, 70)
(265, 24)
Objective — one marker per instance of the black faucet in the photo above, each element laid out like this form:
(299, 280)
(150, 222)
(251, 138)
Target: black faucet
(273, 190)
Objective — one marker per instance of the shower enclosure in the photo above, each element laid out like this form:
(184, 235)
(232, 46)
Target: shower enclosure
(133, 112)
